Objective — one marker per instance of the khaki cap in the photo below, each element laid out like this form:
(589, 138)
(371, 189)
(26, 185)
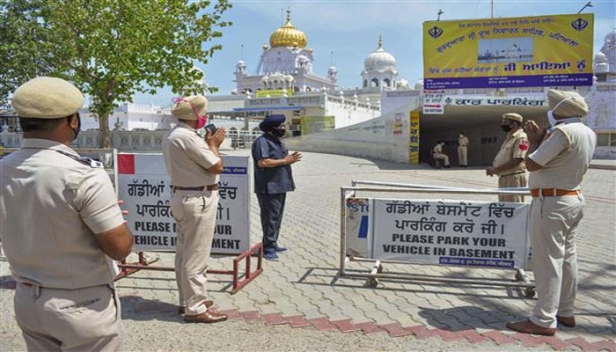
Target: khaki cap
(47, 98)
(513, 117)
(567, 103)
(187, 108)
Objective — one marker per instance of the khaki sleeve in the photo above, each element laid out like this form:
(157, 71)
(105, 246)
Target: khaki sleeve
(199, 152)
(555, 143)
(96, 202)
(520, 148)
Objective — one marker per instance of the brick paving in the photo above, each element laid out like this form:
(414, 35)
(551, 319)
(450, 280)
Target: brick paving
(301, 298)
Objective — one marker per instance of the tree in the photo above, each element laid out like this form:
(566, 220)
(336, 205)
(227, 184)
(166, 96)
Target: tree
(110, 49)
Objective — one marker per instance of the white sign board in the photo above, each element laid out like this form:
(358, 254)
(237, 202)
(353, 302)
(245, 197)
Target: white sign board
(433, 102)
(449, 232)
(144, 187)
(357, 227)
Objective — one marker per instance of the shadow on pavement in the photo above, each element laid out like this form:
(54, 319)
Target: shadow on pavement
(464, 318)
(320, 276)
(139, 309)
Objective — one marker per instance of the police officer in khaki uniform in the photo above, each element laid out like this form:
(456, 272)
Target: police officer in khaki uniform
(509, 162)
(194, 167)
(462, 150)
(558, 159)
(437, 153)
(61, 227)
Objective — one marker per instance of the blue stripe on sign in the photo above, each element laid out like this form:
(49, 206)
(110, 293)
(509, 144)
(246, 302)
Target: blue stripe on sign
(234, 170)
(363, 227)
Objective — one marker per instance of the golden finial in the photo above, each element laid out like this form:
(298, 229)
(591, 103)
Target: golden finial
(380, 42)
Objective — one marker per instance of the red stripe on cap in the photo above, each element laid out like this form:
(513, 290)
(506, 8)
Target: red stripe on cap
(126, 164)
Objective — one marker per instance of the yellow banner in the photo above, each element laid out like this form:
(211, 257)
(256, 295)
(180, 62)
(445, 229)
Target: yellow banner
(273, 93)
(551, 50)
(316, 124)
(414, 138)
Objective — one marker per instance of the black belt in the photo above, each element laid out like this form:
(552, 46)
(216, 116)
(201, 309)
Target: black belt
(515, 173)
(201, 188)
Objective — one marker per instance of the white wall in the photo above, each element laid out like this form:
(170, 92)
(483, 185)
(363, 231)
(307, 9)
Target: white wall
(372, 139)
(348, 112)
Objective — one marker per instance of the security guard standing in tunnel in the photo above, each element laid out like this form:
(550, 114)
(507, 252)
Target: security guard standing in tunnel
(509, 164)
(61, 227)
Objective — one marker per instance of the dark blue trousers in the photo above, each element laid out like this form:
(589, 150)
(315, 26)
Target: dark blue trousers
(272, 208)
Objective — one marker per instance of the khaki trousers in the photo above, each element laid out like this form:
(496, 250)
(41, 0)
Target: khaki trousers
(86, 319)
(442, 156)
(553, 225)
(195, 214)
(509, 181)
(462, 156)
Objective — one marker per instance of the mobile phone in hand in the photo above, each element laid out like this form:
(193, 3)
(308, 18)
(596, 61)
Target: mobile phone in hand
(211, 127)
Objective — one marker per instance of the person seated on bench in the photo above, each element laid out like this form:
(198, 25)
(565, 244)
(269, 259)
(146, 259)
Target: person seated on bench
(437, 153)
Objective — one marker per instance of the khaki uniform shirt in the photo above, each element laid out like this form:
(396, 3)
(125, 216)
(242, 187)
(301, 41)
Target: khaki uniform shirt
(515, 146)
(462, 141)
(51, 205)
(564, 155)
(187, 157)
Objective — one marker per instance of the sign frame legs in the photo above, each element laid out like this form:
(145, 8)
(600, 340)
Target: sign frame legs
(238, 282)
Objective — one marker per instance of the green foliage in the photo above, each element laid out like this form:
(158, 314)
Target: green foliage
(111, 49)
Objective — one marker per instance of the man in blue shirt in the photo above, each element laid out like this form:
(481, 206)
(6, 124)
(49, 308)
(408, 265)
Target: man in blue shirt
(273, 179)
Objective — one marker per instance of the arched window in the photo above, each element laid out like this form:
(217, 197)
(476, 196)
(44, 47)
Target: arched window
(365, 83)
(386, 82)
(374, 82)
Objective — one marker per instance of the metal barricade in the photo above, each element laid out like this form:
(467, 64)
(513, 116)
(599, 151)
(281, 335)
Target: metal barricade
(349, 195)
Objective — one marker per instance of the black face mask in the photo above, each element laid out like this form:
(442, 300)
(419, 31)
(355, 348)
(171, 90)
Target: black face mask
(279, 132)
(506, 128)
(76, 130)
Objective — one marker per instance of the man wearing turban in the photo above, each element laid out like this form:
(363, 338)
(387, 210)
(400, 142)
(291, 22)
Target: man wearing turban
(273, 178)
(557, 160)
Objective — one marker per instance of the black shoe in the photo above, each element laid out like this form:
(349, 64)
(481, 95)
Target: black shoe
(270, 255)
(280, 249)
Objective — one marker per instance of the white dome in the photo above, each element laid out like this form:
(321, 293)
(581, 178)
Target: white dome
(332, 69)
(380, 61)
(241, 63)
(403, 84)
(600, 58)
(610, 37)
(609, 43)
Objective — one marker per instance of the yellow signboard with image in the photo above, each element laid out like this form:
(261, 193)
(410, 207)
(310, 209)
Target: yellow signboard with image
(551, 50)
(263, 93)
(414, 138)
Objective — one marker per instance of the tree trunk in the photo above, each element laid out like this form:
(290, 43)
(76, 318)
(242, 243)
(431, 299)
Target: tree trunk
(103, 128)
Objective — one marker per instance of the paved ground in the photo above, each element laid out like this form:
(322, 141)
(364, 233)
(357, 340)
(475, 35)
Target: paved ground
(300, 304)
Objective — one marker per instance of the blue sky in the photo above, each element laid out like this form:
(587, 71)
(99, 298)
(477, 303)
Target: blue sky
(351, 28)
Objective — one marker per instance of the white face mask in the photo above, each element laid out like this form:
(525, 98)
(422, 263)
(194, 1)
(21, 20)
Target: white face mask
(551, 119)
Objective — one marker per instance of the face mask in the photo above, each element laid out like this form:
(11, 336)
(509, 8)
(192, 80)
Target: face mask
(201, 121)
(551, 119)
(279, 132)
(506, 128)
